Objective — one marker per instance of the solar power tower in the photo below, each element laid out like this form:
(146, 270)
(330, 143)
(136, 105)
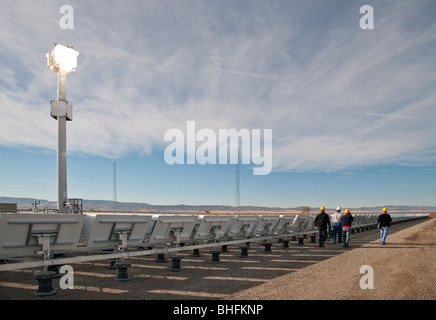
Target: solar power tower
(62, 60)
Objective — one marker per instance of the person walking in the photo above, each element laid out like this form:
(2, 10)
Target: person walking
(337, 225)
(322, 221)
(383, 223)
(346, 227)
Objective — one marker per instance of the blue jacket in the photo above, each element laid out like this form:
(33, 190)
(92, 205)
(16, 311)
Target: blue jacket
(346, 220)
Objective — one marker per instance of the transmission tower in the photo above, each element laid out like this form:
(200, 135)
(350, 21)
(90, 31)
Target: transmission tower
(237, 177)
(114, 196)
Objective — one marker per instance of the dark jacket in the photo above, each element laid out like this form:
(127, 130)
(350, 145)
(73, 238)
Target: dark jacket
(322, 220)
(346, 220)
(384, 220)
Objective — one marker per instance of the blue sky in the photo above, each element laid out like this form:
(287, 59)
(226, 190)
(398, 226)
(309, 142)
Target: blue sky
(352, 111)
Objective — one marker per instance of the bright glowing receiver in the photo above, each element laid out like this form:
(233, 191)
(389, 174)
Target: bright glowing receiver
(62, 58)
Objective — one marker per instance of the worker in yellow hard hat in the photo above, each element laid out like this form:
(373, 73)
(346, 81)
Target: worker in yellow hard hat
(383, 223)
(346, 227)
(322, 220)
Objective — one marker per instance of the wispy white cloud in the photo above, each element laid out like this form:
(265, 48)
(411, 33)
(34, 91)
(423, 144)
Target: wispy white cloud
(335, 96)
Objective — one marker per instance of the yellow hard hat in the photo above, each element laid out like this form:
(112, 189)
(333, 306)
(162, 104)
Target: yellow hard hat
(322, 208)
(385, 209)
(347, 210)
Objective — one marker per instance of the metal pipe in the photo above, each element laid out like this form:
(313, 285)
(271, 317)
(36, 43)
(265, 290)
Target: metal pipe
(62, 85)
(62, 145)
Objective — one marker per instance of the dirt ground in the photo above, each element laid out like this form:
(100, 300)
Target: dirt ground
(403, 269)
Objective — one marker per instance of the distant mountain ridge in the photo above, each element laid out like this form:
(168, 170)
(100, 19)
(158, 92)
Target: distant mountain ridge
(108, 205)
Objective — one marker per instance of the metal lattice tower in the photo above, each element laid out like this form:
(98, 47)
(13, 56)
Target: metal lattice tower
(237, 178)
(114, 196)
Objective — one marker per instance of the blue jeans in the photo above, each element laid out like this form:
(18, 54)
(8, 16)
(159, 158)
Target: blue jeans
(322, 234)
(347, 234)
(337, 229)
(384, 234)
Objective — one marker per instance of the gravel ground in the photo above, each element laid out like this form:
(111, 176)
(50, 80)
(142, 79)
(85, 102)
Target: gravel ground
(403, 269)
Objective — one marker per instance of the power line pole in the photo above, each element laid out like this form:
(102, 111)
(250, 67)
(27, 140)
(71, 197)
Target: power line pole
(237, 178)
(114, 196)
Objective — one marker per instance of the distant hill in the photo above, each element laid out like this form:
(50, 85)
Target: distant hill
(107, 205)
